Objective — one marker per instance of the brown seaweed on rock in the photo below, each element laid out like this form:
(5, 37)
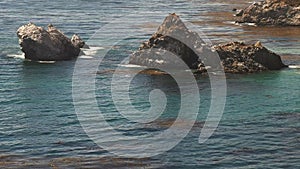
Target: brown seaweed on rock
(271, 12)
(238, 57)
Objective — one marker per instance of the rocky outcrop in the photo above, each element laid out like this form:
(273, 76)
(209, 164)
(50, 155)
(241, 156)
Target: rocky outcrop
(271, 12)
(169, 36)
(238, 57)
(39, 44)
(78, 42)
(235, 57)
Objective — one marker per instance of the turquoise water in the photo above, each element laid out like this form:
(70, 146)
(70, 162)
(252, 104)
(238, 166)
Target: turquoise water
(39, 127)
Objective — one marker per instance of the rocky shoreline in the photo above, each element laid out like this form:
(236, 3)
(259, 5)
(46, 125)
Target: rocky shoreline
(271, 12)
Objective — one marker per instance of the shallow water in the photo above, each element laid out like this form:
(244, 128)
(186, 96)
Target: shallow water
(39, 127)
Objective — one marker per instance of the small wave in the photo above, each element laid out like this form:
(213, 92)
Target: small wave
(250, 24)
(92, 50)
(294, 66)
(46, 62)
(245, 24)
(230, 22)
(22, 56)
(85, 57)
(131, 66)
(19, 56)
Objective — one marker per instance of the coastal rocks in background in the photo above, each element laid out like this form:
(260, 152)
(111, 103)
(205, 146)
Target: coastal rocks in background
(238, 57)
(168, 37)
(235, 57)
(47, 45)
(271, 12)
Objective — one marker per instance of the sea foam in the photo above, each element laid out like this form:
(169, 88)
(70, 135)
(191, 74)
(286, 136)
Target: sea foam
(294, 66)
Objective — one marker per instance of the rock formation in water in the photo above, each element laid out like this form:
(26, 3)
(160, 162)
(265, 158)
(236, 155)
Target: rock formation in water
(39, 44)
(271, 12)
(167, 38)
(78, 42)
(235, 57)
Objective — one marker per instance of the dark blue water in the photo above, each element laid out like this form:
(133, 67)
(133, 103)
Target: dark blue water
(38, 124)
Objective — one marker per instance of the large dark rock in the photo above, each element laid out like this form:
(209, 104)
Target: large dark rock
(47, 45)
(169, 36)
(173, 36)
(272, 12)
(238, 57)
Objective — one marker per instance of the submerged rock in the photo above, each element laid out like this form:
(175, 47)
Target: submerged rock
(235, 57)
(272, 12)
(47, 45)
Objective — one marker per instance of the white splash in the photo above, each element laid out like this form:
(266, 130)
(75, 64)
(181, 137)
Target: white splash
(18, 56)
(85, 57)
(159, 61)
(130, 66)
(245, 24)
(294, 66)
(90, 52)
(46, 62)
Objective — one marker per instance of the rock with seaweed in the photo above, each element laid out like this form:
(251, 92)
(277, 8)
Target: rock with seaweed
(271, 12)
(238, 57)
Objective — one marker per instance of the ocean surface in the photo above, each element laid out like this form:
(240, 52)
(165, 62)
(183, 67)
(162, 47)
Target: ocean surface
(39, 127)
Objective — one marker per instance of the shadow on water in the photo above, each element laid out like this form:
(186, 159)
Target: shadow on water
(15, 162)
